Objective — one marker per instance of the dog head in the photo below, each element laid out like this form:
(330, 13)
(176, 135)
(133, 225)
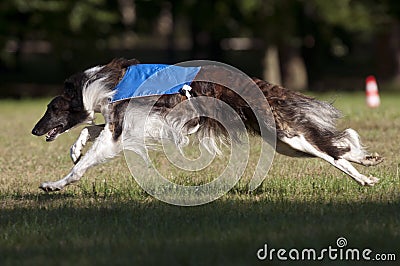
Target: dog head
(68, 110)
(64, 111)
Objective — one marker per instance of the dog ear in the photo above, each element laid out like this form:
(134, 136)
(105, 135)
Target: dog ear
(69, 89)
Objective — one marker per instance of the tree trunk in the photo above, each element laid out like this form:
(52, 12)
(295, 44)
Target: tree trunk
(272, 71)
(396, 49)
(294, 69)
(128, 12)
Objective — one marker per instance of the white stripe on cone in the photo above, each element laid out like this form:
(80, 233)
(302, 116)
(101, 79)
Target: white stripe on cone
(372, 94)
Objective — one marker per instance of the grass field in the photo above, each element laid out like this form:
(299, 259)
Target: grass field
(107, 219)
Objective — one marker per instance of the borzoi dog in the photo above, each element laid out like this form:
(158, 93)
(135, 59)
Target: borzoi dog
(304, 125)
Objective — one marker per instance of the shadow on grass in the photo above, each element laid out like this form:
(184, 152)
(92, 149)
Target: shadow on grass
(38, 197)
(220, 233)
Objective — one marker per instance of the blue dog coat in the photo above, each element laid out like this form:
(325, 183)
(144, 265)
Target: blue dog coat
(153, 79)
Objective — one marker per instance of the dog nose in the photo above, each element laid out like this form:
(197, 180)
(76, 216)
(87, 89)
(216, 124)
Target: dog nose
(35, 132)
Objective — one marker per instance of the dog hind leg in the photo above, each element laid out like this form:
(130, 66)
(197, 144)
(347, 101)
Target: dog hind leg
(103, 149)
(357, 153)
(301, 144)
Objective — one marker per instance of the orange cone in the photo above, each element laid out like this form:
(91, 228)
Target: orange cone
(372, 94)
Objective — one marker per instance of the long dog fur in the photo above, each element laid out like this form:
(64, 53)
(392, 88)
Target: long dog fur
(305, 127)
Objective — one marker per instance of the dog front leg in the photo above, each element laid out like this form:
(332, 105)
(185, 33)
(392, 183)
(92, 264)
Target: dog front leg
(103, 149)
(89, 133)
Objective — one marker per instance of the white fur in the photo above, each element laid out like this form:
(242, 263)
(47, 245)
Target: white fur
(357, 152)
(301, 144)
(76, 148)
(103, 149)
(95, 95)
(91, 71)
(141, 130)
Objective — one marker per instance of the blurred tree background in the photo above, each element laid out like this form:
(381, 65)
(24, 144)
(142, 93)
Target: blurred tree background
(302, 44)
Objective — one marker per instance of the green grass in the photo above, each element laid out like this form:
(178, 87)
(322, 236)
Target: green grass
(107, 219)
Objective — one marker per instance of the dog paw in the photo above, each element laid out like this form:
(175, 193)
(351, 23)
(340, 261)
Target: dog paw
(372, 159)
(374, 179)
(49, 187)
(371, 181)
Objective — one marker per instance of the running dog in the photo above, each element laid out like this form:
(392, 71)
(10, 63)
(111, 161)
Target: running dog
(305, 127)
